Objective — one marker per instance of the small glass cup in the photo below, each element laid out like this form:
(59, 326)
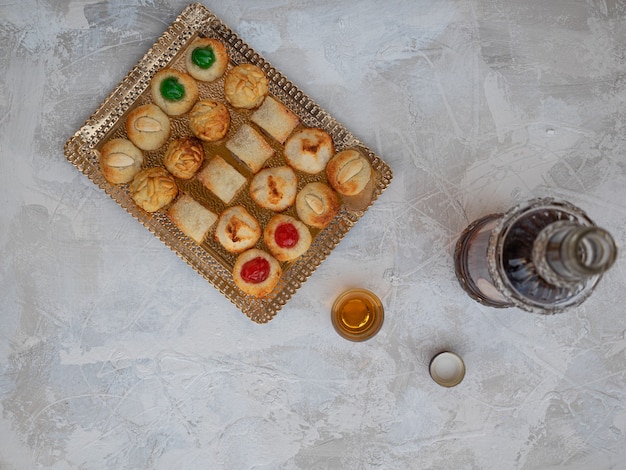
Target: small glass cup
(447, 369)
(357, 314)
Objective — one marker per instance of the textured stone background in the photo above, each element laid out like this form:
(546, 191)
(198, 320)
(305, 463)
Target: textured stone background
(115, 354)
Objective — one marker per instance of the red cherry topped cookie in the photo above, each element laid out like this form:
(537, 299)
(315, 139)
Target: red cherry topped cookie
(256, 272)
(286, 238)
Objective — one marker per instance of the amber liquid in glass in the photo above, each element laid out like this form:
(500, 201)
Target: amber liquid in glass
(357, 314)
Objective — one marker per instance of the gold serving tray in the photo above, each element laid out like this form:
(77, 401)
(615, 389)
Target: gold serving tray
(209, 259)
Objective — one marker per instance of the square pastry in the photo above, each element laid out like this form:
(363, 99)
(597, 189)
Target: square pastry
(275, 119)
(191, 217)
(250, 147)
(222, 179)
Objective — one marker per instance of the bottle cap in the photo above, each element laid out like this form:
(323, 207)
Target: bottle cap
(447, 369)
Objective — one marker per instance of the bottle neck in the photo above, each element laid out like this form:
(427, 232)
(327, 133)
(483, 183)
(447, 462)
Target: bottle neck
(566, 253)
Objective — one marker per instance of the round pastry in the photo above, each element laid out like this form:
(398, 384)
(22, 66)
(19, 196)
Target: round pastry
(237, 230)
(256, 272)
(348, 172)
(317, 204)
(309, 150)
(286, 237)
(184, 157)
(245, 86)
(120, 161)
(209, 120)
(274, 188)
(175, 92)
(148, 127)
(153, 188)
(206, 59)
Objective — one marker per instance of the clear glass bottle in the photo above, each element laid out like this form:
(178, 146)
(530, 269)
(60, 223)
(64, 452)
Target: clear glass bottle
(541, 256)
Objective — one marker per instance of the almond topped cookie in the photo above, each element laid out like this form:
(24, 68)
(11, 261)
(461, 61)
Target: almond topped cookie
(348, 172)
(120, 161)
(184, 157)
(317, 204)
(209, 120)
(153, 188)
(245, 86)
(148, 127)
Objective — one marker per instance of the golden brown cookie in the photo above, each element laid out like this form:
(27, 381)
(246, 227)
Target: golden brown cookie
(148, 127)
(275, 119)
(348, 172)
(237, 230)
(317, 204)
(222, 179)
(175, 92)
(286, 238)
(191, 217)
(256, 272)
(274, 188)
(309, 150)
(245, 86)
(120, 161)
(153, 188)
(184, 157)
(206, 59)
(209, 120)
